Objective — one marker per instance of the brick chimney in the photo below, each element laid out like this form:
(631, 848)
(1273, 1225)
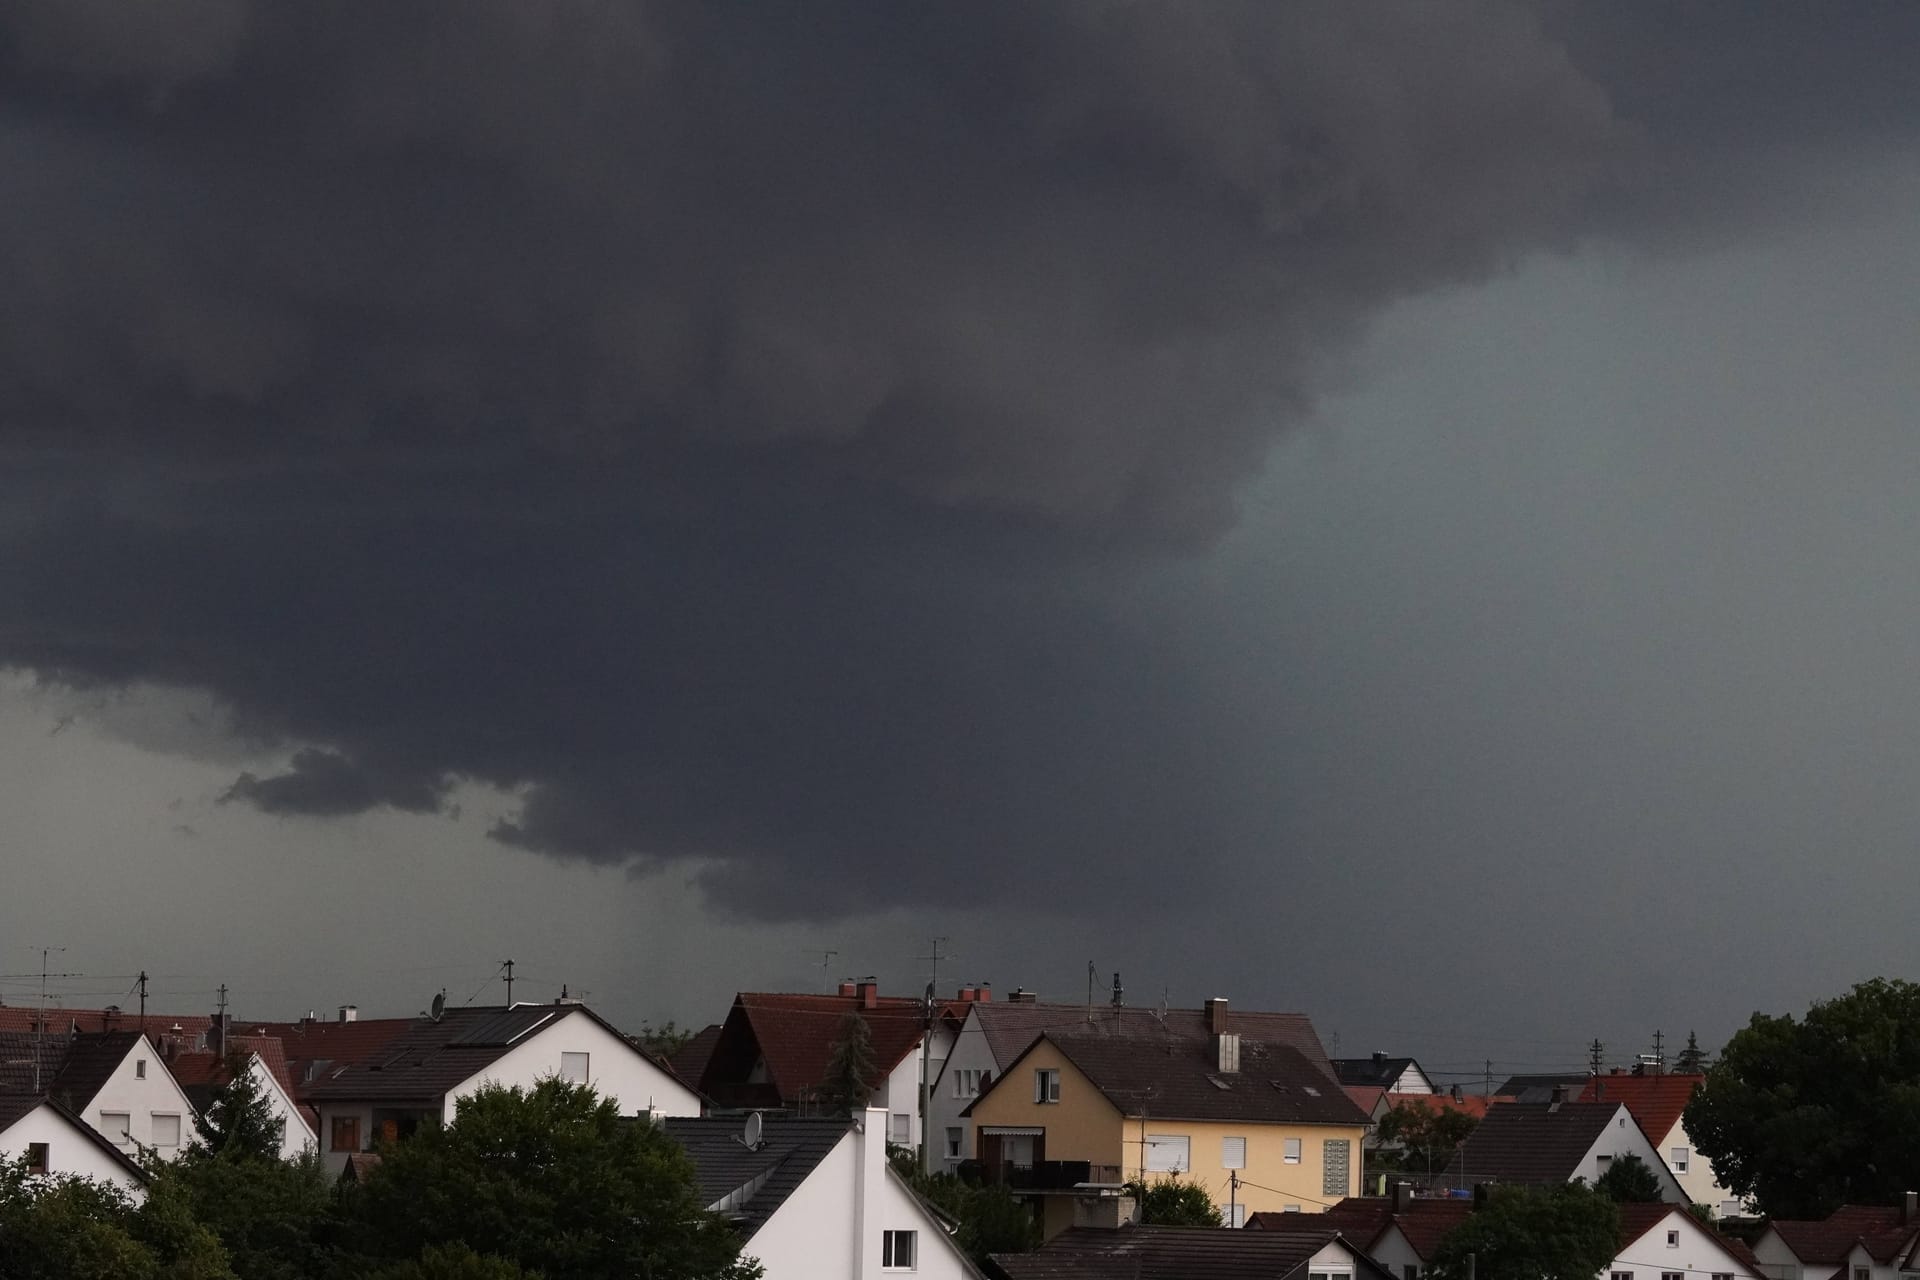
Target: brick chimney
(1217, 1016)
(217, 1035)
(849, 988)
(966, 995)
(985, 992)
(869, 992)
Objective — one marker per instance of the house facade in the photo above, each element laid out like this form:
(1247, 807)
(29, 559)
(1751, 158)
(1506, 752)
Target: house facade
(1855, 1242)
(1252, 1122)
(816, 1197)
(421, 1074)
(57, 1142)
(202, 1075)
(1545, 1143)
(114, 1081)
(1659, 1102)
(1394, 1075)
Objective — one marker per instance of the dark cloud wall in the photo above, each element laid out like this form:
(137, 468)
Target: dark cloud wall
(741, 428)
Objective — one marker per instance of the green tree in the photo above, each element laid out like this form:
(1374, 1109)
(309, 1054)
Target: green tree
(850, 1067)
(241, 1117)
(1428, 1137)
(551, 1179)
(1693, 1059)
(664, 1040)
(273, 1216)
(991, 1219)
(454, 1262)
(1629, 1180)
(1804, 1116)
(1172, 1202)
(1566, 1233)
(68, 1228)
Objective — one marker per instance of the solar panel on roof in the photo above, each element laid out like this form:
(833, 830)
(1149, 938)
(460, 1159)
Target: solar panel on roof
(502, 1029)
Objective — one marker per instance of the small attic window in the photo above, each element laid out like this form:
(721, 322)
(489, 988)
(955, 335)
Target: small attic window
(1309, 1090)
(1218, 1083)
(1277, 1086)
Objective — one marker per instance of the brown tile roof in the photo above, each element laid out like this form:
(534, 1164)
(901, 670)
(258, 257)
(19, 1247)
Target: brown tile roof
(310, 1050)
(1010, 1028)
(1655, 1101)
(1176, 1253)
(1367, 1097)
(689, 1061)
(1878, 1229)
(429, 1058)
(794, 1035)
(1178, 1079)
(1531, 1144)
(19, 1018)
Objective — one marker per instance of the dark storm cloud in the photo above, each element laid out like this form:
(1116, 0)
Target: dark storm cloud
(734, 426)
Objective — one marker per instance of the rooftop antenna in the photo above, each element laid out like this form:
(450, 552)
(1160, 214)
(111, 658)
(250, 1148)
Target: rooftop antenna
(1119, 992)
(1596, 1057)
(40, 1025)
(751, 1138)
(826, 962)
(1093, 976)
(508, 966)
(1659, 1054)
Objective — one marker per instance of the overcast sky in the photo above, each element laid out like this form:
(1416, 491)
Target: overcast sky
(1402, 512)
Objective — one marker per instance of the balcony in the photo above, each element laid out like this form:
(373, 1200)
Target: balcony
(1047, 1175)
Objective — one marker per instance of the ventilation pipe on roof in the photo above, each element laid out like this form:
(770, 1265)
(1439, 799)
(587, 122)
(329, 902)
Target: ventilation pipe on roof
(349, 1013)
(1217, 1016)
(1909, 1208)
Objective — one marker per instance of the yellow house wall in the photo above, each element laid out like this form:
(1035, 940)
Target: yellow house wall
(1279, 1184)
(1083, 1125)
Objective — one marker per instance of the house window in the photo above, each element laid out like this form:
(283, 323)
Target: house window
(1331, 1273)
(1621, 1275)
(1168, 1153)
(139, 1068)
(37, 1157)
(897, 1250)
(953, 1143)
(280, 1132)
(346, 1133)
(573, 1068)
(1409, 1271)
(117, 1125)
(1291, 1151)
(900, 1128)
(1336, 1153)
(166, 1130)
(1681, 1158)
(1723, 1275)
(1233, 1153)
(966, 1082)
(1673, 1242)
(1673, 1275)
(1292, 1208)
(1862, 1273)
(1233, 1215)
(1603, 1163)
(1046, 1084)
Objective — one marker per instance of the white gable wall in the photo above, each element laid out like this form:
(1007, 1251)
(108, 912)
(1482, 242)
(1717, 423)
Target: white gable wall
(1412, 1080)
(1697, 1256)
(833, 1222)
(1393, 1252)
(296, 1135)
(615, 1068)
(1623, 1136)
(69, 1151)
(970, 1053)
(142, 1101)
(900, 1095)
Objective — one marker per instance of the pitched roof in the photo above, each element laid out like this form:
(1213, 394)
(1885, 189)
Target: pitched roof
(1425, 1222)
(1180, 1079)
(689, 1061)
(1176, 1253)
(1539, 1088)
(20, 1018)
(1367, 1097)
(1467, 1103)
(200, 1075)
(311, 1049)
(92, 1057)
(15, 1107)
(749, 1184)
(1011, 1027)
(1533, 1144)
(1876, 1228)
(793, 1036)
(429, 1058)
(19, 1049)
(1376, 1069)
(1655, 1101)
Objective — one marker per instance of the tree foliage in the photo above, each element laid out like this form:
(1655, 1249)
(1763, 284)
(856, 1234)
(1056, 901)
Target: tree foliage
(274, 1217)
(850, 1067)
(664, 1040)
(1566, 1233)
(991, 1219)
(1693, 1060)
(1807, 1115)
(1629, 1180)
(1173, 1202)
(68, 1228)
(241, 1117)
(1427, 1136)
(552, 1180)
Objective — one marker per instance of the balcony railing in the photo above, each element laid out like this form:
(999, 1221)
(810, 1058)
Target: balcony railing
(1047, 1175)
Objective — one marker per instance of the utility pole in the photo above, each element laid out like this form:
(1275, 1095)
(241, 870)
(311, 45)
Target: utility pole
(926, 1055)
(143, 1001)
(508, 966)
(1596, 1057)
(1489, 1078)
(826, 982)
(1659, 1053)
(1093, 975)
(1233, 1195)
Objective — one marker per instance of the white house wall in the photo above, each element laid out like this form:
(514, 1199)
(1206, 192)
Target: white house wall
(295, 1135)
(615, 1069)
(970, 1052)
(1696, 1256)
(1624, 1137)
(1393, 1252)
(69, 1151)
(900, 1095)
(140, 1100)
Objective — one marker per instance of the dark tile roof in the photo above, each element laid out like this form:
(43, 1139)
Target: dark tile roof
(689, 1061)
(18, 1049)
(1176, 1253)
(1655, 1101)
(723, 1165)
(793, 1036)
(15, 1107)
(1828, 1241)
(91, 1059)
(1179, 1079)
(1010, 1028)
(1376, 1069)
(1531, 1144)
(428, 1058)
(1540, 1088)
(17, 1018)
(312, 1050)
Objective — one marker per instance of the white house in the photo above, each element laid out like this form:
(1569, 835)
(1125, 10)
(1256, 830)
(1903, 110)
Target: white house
(1542, 1143)
(816, 1197)
(56, 1141)
(1378, 1071)
(1659, 1103)
(1855, 1242)
(113, 1080)
(423, 1073)
(201, 1075)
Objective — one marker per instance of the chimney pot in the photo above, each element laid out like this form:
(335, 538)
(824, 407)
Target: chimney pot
(869, 994)
(1910, 1208)
(1217, 1016)
(1560, 1094)
(1402, 1196)
(985, 992)
(1455, 1091)
(1379, 1058)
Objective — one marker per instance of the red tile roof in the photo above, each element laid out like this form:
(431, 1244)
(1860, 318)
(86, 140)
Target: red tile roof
(793, 1036)
(22, 1018)
(1655, 1101)
(1877, 1228)
(1469, 1103)
(311, 1050)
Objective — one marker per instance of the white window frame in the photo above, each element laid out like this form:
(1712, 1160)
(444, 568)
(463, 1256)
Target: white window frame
(576, 1062)
(955, 1136)
(1290, 1151)
(1046, 1084)
(1228, 1158)
(1673, 1239)
(1160, 1156)
(139, 1068)
(1620, 1275)
(1234, 1214)
(891, 1247)
(155, 1118)
(1325, 1272)
(1681, 1158)
(966, 1082)
(1673, 1275)
(124, 1138)
(900, 1128)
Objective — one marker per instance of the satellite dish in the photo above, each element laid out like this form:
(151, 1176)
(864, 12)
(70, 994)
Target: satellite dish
(756, 1124)
(439, 1005)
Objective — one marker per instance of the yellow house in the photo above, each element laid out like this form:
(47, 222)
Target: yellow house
(1254, 1122)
